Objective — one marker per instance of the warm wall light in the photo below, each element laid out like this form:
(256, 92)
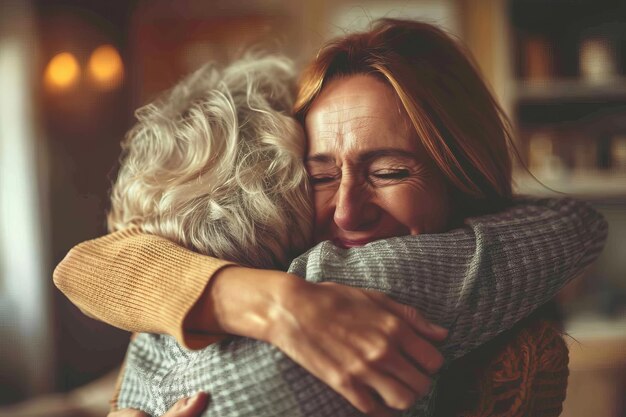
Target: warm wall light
(62, 71)
(105, 67)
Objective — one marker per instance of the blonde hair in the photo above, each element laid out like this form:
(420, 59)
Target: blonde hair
(215, 164)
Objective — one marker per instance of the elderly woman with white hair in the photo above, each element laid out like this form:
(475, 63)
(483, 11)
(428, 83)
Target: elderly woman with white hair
(216, 166)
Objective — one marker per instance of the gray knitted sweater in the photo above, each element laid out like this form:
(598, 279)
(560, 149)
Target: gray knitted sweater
(477, 281)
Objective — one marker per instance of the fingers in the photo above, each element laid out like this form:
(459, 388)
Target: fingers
(323, 361)
(393, 393)
(357, 394)
(407, 373)
(324, 365)
(397, 363)
(421, 352)
(369, 349)
(367, 398)
(412, 317)
(188, 407)
(397, 378)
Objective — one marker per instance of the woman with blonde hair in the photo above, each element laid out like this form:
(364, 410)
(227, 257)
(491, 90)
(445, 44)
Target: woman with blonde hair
(404, 143)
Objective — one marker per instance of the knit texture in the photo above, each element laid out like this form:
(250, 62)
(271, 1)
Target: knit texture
(478, 281)
(527, 378)
(138, 282)
(523, 372)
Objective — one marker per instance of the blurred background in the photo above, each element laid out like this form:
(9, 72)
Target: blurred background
(73, 71)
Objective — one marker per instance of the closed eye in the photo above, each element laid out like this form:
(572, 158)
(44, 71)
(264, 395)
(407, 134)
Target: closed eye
(389, 174)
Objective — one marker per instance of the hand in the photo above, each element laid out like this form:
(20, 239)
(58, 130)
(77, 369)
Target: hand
(373, 351)
(186, 407)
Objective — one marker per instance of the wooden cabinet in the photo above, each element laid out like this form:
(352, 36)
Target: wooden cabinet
(568, 99)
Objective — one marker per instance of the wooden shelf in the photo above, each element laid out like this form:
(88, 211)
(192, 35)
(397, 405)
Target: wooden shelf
(594, 326)
(570, 90)
(585, 184)
(597, 365)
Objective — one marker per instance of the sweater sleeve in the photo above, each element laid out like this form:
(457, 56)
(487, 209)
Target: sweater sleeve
(529, 251)
(478, 280)
(138, 282)
(500, 267)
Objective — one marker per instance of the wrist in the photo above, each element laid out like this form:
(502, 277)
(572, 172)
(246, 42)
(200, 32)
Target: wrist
(290, 296)
(241, 301)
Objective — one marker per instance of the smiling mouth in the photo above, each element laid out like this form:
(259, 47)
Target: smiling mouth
(348, 243)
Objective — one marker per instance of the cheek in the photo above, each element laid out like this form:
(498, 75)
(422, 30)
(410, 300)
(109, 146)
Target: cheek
(418, 208)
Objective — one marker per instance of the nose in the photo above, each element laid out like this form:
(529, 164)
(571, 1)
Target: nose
(354, 208)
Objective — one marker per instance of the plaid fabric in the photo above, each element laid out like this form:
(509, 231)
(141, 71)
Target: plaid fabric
(477, 281)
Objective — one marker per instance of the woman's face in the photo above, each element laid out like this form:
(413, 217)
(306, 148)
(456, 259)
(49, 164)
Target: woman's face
(371, 177)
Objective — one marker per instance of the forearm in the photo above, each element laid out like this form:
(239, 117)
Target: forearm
(467, 273)
(482, 270)
(479, 280)
(239, 301)
(136, 282)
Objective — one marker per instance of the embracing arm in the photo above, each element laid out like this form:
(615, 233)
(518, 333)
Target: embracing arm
(497, 270)
(476, 281)
(480, 280)
(138, 282)
(520, 257)
(571, 236)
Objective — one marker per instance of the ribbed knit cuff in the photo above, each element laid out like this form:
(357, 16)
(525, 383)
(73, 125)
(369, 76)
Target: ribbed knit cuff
(125, 279)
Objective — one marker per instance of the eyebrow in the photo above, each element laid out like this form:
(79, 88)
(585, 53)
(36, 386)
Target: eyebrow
(325, 158)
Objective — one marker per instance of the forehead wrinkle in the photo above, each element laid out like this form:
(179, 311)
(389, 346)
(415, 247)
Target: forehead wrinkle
(393, 154)
(349, 119)
(345, 121)
(350, 129)
(341, 108)
(349, 135)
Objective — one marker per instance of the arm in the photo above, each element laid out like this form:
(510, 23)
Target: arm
(477, 281)
(577, 215)
(139, 282)
(272, 382)
(146, 283)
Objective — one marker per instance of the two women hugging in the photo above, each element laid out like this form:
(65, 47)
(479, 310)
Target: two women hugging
(334, 253)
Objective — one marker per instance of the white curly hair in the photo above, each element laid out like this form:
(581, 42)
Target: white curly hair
(215, 164)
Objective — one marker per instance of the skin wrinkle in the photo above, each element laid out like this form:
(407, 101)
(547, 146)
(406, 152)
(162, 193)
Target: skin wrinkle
(371, 176)
(365, 156)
